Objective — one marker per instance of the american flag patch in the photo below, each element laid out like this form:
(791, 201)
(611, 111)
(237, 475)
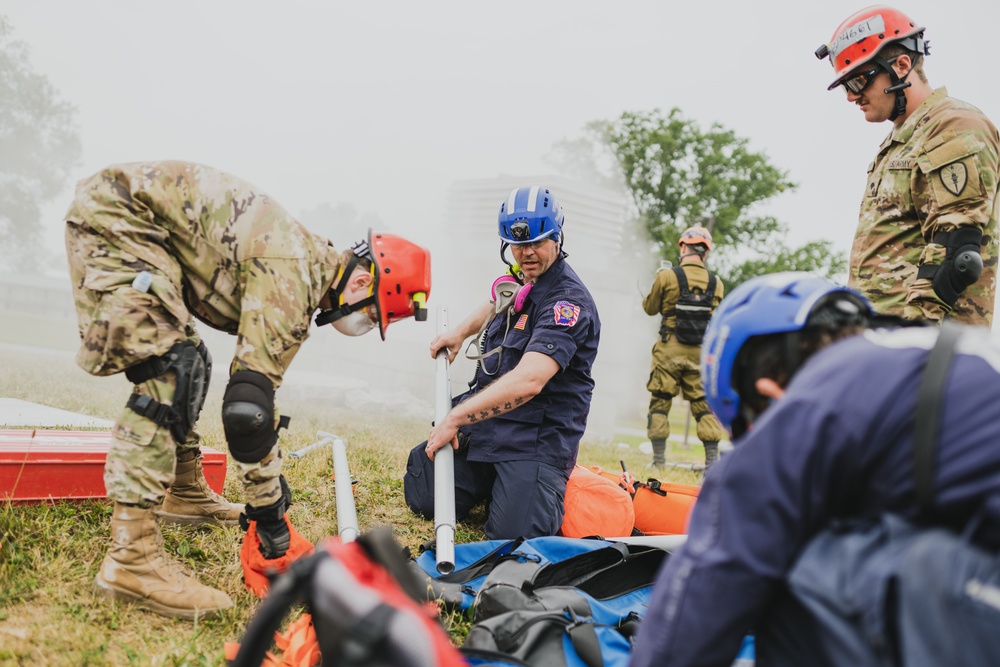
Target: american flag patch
(566, 313)
(521, 321)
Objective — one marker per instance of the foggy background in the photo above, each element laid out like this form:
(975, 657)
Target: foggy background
(358, 115)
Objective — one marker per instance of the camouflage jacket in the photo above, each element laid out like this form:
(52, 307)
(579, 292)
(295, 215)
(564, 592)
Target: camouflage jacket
(223, 251)
(935, 173)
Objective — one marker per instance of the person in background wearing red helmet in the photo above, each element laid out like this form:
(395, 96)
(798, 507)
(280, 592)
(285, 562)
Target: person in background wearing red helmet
(926, 243)
(684, 297)
(521, 422)
(152, 246)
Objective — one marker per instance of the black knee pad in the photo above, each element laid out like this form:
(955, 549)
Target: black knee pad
(248, 416)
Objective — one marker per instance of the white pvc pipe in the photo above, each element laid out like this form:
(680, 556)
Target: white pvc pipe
(347, 516)
(444, 462)
(299, 453)
(665, 542)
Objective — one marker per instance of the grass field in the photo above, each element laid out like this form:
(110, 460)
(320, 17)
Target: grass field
(50, 553)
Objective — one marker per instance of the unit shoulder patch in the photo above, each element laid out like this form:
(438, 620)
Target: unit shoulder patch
(566, 313)
(954, 177)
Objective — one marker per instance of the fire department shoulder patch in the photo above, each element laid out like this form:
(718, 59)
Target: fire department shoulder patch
(566, 313)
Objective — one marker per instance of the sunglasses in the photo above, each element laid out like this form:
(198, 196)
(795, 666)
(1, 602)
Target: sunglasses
(862, 80)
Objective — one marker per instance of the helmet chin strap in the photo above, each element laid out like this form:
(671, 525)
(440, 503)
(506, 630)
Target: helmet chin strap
(898, 85)
(337, 297)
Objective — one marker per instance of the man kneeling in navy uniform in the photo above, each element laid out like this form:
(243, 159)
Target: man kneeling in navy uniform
(520, 425)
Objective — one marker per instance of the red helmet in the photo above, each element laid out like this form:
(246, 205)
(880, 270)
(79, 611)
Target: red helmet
(402, 278)
(863, 34)
(695, 235)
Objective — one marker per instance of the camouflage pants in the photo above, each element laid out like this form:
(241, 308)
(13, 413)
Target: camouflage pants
(675, 370)
(121, 326)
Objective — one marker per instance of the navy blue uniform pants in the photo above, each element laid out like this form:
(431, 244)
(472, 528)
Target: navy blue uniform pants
(524, 498)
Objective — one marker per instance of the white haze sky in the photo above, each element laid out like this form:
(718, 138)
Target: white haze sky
(384, 104)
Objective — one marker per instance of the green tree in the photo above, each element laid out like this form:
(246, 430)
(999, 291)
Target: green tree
(679, 175)
(39, 145)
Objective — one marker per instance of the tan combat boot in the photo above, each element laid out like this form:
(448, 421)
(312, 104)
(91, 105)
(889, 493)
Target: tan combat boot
(190, 501)
(138, 570)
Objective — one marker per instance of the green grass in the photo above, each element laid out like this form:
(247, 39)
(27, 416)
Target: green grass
(50, 553)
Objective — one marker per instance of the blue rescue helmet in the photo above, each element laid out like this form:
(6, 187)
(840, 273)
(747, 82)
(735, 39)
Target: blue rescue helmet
(769, 304)
(530, 214)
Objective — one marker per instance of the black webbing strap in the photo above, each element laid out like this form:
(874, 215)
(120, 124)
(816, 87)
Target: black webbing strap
(483, 566)
(161, 413)
(682, 285)
(157, 366)
(930, 401)
(583, 636)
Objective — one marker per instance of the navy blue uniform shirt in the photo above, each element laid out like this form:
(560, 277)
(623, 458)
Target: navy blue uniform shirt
(558, 319)
(839, 444)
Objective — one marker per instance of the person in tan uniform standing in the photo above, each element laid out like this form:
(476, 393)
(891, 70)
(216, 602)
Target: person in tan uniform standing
(152, 246)
(926, 243)
(684, 297)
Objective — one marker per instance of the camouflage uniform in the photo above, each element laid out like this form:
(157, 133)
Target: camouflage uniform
(675, 369)
(218, 249)
(935, 173)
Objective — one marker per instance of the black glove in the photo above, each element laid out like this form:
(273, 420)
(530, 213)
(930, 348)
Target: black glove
(272, 529)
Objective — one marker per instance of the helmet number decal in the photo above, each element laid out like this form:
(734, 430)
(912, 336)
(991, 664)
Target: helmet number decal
(870, 26)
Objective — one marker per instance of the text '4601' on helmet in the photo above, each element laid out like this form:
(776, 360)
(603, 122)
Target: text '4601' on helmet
(863, 34)
(402, 278)
(530, 214)
(769, 304)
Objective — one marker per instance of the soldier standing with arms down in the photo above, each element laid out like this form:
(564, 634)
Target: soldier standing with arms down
(153, 245)
(926, 243)
(685, 298)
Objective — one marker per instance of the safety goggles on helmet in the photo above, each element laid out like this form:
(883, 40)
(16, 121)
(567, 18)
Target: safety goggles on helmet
(861, 37)
(860, 81)
(401, 283)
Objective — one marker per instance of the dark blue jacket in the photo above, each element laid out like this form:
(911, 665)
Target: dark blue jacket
(838, 444)
(558, 319)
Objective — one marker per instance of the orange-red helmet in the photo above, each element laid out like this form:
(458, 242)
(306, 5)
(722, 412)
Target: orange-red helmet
(695, 235)
(402, 278)
(863, 34)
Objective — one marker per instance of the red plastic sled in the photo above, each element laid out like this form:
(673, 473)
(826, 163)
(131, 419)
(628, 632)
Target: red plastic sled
(69, 465)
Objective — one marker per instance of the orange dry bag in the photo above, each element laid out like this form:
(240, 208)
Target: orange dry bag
(662, 508)
(596, 505)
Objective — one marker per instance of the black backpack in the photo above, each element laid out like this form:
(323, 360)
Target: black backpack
(693, 309)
